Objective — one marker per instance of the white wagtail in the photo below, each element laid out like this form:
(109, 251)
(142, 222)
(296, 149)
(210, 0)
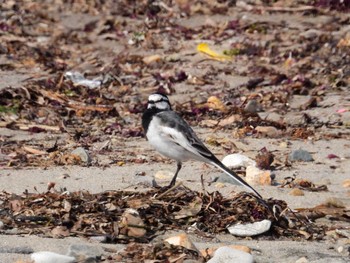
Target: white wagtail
(172, 137)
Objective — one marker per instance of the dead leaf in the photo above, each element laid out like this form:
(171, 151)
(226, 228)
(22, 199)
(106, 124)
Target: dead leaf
(204, 48)
(192, 209)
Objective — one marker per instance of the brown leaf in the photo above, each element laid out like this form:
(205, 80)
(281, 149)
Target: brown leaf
(60, 231)
(16, 205)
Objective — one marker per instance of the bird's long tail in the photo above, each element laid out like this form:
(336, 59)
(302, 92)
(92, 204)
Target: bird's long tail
(234, 176)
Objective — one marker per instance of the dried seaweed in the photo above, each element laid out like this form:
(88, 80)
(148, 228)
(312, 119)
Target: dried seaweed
(85, 214)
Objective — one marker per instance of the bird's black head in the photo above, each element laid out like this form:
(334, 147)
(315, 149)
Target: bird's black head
(158, 101)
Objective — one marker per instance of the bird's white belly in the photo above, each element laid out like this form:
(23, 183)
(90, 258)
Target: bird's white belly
(165, 145)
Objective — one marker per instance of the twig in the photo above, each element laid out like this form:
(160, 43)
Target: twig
(169, 190)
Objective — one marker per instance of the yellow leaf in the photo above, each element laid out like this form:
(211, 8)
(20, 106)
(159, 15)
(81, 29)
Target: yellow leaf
(204, 48)
(120, 163)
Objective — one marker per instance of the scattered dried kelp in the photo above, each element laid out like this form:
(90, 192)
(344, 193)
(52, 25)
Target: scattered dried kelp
(110, 213)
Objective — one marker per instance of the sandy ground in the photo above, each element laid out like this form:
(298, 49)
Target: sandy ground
(322, 171)
(97, 180)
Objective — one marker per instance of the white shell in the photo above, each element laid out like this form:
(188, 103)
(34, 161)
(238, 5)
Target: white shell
(237, 160)
(230, 255)
(251, 229)
(50, 257)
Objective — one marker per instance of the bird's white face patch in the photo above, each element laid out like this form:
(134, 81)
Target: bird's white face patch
(158, 101)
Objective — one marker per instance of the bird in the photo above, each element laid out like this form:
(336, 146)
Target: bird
(170, 135)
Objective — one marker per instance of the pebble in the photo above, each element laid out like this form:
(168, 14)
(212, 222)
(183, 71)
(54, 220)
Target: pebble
(129, 219)
(295, 119)
(182, 240)
(284, 145)
(50, 257)
(302, 260)
(85, 253)
(2, 225)
(209, 252)
(150, 59)
(230, 255)
(99, 239)
(296, 192)
(346, 184)
(253, 107)
(311, 34)
(220, 185)
(146, 180)
(83, 154)
(237, 160)
(268, 131)
(340, 249)
(251, 229)
(300, 155)
(255, 176)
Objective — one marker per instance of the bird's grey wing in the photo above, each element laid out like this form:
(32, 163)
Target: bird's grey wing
(192, 143)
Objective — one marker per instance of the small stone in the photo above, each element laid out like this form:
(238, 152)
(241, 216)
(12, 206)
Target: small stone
(300, 155)
(296, 192)
(255, 176)
(311, 34)
(50, 257)
(151, 59)
(346, 183)
(85, 253)
(181, 240)
(131, 224)
(340, 249)
(284, 144)
(220, 185)
(99, 239)
(268, 131)
(230, 255)
(237, 160)
(295, 120)
(242, 248)
(145, 180)
(251, 229)
(2, 225)
(209, 252)
(83, 154)
(253, 107)
(229, 120)
(302, 260)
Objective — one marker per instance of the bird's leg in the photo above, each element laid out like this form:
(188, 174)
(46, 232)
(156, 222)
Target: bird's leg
(173, 181)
